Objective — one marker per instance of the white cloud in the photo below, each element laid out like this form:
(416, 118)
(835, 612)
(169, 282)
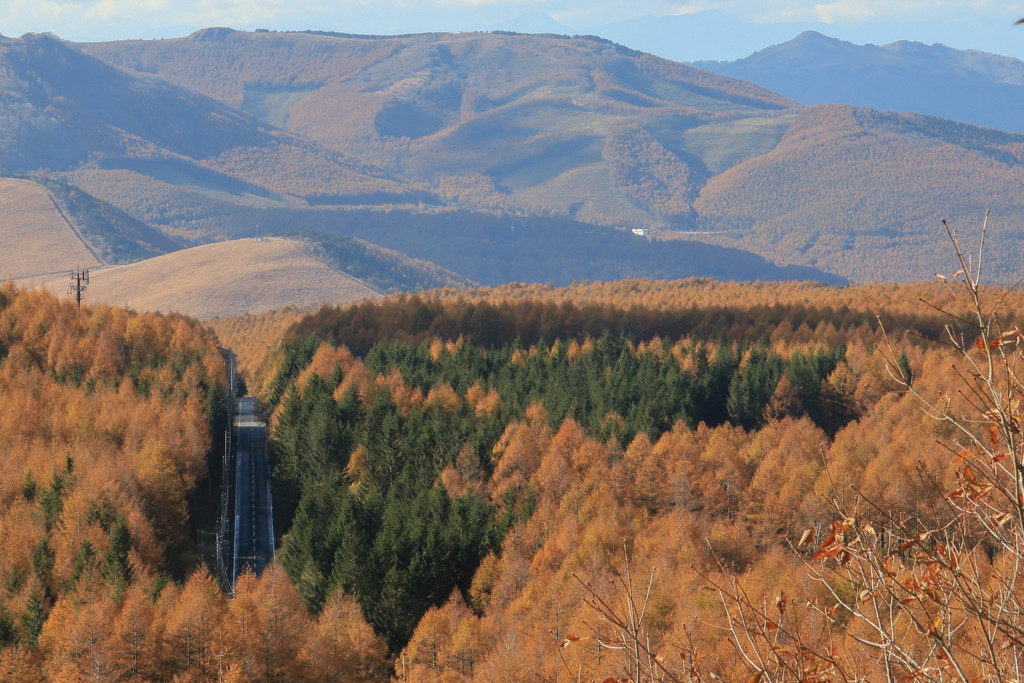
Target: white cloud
(853, 11)
(108, 19)
(22, 10)
(863, 11)
(692, 8)
(116, 9)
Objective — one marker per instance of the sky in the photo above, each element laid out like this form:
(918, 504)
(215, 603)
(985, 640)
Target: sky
(679, 29)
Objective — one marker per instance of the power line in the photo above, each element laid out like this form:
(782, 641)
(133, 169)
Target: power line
(78, 285)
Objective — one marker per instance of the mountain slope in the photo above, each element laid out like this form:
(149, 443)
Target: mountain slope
(547, 128)
(495, 122)
(962, 85)
(252, 276)
(49, 226)
(35, 236)
(862, 192)
(133, 139)
(221, 279)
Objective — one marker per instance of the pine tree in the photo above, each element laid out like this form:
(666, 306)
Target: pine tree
(32, 618)
(8, 634)
(117, 568)
(28, 487)
(42, 563)
(52, 501)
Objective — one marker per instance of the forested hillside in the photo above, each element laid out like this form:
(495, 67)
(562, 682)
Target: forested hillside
(841, 218)
(474, 468)
(105, 427)
(462, 479)
(165, 154)
(576, 128)
(500, 157)
(135, 185)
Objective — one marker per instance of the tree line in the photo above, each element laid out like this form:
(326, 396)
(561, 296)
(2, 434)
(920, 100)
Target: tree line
(494, 321)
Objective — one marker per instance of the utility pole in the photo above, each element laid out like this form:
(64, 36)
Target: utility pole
(78, 285)
(224, 548)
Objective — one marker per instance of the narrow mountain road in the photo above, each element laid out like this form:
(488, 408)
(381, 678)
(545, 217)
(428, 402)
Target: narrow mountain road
(254, 518)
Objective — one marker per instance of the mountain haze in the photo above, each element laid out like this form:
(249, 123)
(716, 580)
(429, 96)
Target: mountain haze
(962, 85)
(493, 122)
(201, 170)
(581, 128)
(112, 133)
(505, 157)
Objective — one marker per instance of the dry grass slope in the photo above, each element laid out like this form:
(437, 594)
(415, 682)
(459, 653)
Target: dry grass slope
(569, 128)
(490, 122)
(35, 238)
(221, 279)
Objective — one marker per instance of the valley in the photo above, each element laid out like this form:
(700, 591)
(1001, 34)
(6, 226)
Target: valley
(560, 362)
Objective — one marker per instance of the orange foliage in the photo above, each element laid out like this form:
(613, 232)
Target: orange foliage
(683, 508)
(341, 645)
(265, 627)
(680, 507)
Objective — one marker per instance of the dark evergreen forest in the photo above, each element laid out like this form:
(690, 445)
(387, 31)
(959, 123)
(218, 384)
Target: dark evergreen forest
(358, 473)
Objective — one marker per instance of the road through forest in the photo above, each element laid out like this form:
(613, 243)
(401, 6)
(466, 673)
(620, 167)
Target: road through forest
(254, 519)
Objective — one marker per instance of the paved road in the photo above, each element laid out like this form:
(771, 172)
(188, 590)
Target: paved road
(254, 520)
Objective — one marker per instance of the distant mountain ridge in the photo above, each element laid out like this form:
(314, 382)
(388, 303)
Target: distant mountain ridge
(508, 157)
(214, 172)
(962, 85)
(66, 113)
(581, 128)
(492, 122)
(701, 36)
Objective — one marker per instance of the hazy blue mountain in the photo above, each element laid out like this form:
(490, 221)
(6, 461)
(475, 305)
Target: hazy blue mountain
(962, 85)
(717, 35)
(701, 36)
(534, 21)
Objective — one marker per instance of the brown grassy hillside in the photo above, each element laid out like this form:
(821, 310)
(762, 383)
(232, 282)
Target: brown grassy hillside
(35, 237)
(222, 279)
(584, 129)
(863, 193)
(511, 123)
(65, 112)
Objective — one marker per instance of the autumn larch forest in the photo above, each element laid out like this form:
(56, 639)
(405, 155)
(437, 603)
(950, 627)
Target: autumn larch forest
(634, 480)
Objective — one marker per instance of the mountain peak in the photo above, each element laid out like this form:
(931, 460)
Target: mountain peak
(812, 45)
(812, 35)
(216, 34)
(900, 76)
(535, 21)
